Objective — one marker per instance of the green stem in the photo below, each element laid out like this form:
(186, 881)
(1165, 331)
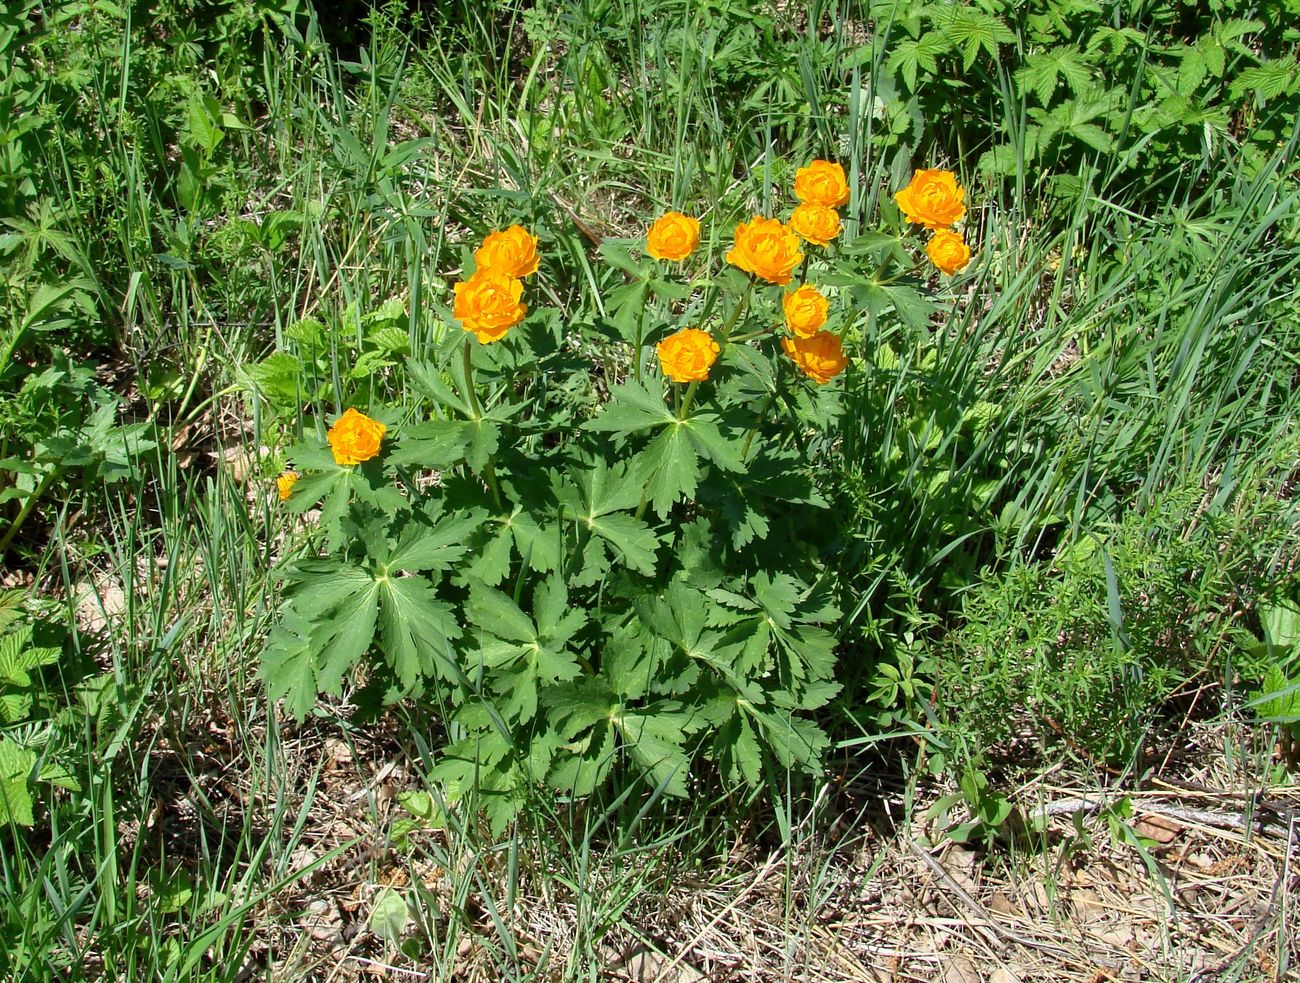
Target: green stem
(26, 510)
(470, 397)
(640, 341)
(749, 437)
(489, 469)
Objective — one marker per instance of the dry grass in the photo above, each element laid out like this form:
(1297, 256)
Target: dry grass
(860, 896)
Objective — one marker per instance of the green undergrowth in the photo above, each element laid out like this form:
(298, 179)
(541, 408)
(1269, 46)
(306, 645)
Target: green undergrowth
(1054, 509)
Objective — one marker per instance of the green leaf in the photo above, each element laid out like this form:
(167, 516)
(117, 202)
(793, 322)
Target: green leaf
(345, 635)
(16, 764)
(389, 916)
(435, 547)
(632, 408)
(654, 739)
(417, 631)
(670, 469)
(633, 541)
(437, 444)
(498, 615)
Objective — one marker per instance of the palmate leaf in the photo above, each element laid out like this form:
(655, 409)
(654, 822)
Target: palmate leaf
(740, 758)
(596, 495)
(434, 544)
(532, 650)
(344, 636)
(416, 631)
(653, 737)
(289, 665)
(670, 469)
(632, 408)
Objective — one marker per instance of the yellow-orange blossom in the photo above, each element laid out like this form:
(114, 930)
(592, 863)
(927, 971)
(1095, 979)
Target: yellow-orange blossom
(284, 484)
(933, 199)
(512, 252)
(821, 357)
(821, 183)
(948, 251)
(805, 310)
(765, 248)
(673, 237)
(488, 304)
(355, 438)
(817, 224)
(687, 355)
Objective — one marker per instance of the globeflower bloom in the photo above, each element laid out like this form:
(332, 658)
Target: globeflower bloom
(765, 248)
(948, 251)
(488, 304)
(354, 438)
(805, 310)
(821, 183)
(821, 357)
(815, 224)
(687, 355)
(512, 252)
(933, 199)
(673, 237)
(284, 484)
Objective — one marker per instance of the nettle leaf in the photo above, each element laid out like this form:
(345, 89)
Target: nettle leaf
(1043, 69)
(18, 657)
(909, 55)
(974, 30)
(16, 764)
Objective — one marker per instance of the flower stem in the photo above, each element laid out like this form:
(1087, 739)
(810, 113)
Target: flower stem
(489, 470)
(470, 396)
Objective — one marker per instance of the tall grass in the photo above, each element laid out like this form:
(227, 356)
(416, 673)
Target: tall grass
(1101, 356)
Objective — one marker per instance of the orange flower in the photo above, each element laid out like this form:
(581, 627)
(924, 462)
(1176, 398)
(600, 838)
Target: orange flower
(765, 248)
(488, 304)
(354, 438)
(687, 355)
(512, 252)
(284, 484)
(933, 199)
(816, 224)
(805, 310)
(821, 183)
(948, 251)
(673, 236)
(821, 357)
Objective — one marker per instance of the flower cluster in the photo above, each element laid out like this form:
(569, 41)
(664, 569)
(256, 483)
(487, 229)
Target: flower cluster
(935, 200)
(489, 303)
(768, 250)
(821, 188)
